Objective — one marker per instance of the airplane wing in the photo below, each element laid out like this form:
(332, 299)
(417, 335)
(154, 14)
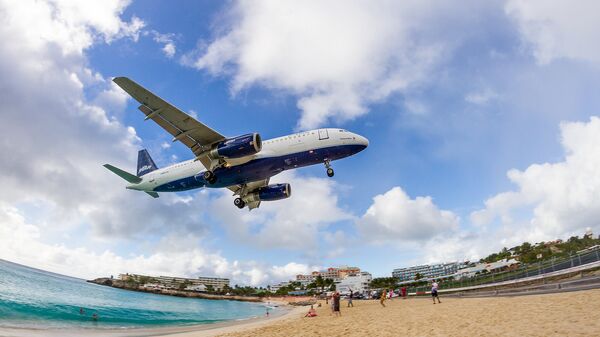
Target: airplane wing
(183, 127)
(242, 190)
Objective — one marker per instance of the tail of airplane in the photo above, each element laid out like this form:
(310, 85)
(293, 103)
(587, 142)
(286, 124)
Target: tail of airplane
(145, 164)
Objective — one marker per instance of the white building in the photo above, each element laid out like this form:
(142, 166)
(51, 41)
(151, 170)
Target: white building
(428, 271)
(488, 267)
(358, 283)
(275, 287)
(198, 287)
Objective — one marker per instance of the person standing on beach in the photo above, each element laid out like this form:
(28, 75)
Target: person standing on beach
(383, 297)
(434, 292)
(350, 299)
(336, 304)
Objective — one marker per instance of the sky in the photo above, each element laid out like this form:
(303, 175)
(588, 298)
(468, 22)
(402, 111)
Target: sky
(482, 120)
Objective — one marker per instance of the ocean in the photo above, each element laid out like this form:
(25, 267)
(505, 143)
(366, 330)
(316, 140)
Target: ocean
(32, 298)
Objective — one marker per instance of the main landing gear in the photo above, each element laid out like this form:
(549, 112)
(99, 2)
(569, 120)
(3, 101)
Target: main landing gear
(329, 169)
(209, 177)
(239, 203)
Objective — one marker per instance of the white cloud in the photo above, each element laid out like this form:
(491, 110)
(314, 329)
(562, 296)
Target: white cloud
(336, 56)
(175, 254)
(291, 224)
(55, 140)
(552, 200)
(394, 217)
(481, 97)
(167, 40)
(558, 29)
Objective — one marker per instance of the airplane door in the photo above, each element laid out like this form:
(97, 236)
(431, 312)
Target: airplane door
(323, 134)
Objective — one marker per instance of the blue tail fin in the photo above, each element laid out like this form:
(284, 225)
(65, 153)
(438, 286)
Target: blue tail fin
(145, 163)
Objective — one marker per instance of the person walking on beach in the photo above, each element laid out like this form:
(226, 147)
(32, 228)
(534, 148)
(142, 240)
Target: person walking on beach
(383, 297)
(434, 292)
(336, 304)
(350, 299)
(403, 290)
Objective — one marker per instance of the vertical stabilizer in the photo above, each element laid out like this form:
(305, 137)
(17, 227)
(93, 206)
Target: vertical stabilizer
(145, 163)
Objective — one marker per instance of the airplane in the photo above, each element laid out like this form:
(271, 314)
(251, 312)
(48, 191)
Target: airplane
(243, 164)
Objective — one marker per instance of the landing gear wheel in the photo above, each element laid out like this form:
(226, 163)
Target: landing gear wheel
(209, 177)
(239, 203)
(330, 172)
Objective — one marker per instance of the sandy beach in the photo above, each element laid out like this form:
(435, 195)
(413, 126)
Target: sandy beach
(562, 314)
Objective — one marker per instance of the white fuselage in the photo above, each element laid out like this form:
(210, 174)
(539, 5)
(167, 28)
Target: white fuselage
(298, 143)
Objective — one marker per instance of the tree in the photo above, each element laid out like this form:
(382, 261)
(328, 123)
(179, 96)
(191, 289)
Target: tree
(418, 276)
(319, 282)
(184, 285)
(384, 283)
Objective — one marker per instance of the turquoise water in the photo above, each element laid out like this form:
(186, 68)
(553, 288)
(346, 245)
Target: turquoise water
(39, 299)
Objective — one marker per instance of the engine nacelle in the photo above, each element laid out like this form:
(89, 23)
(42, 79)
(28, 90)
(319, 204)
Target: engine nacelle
(238, 147)
(269, 193)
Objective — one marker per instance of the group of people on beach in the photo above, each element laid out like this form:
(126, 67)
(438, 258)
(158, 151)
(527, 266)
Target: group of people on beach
(385, 295)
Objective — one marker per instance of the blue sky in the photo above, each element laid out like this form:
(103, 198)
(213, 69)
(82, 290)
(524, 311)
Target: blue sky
(480, 120)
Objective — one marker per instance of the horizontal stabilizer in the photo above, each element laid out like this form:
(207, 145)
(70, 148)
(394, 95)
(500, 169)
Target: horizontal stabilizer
(152, 194)
(125, 175)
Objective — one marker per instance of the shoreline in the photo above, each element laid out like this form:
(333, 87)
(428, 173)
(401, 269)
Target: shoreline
(210, 329)
(107, 282)
(556, 314)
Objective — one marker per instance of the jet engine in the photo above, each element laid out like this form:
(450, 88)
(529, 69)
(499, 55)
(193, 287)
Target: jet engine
(237, 147)
(269, 193)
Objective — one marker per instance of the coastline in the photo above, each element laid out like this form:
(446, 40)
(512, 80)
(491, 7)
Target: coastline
(199, 330)
(107, 282)
(557, 314)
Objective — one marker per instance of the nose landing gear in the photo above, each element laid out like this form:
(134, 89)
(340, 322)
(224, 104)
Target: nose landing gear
(330, 172)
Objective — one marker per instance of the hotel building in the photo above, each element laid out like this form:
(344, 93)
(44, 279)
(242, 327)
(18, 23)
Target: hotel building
(335, 274)
(171, 282)
(428, 271)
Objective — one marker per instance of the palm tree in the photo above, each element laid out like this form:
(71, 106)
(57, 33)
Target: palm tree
(319, 282)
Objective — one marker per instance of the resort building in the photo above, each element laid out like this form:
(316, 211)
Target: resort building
(170, 282)
(428, 271)
(273, 288)
(358, 283)
(493, 267)
(333, 273)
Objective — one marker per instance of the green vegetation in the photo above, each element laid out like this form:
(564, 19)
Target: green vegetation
(384, 283)
(290, 287)
(184, 285)
(528, 253)
(320, 285)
